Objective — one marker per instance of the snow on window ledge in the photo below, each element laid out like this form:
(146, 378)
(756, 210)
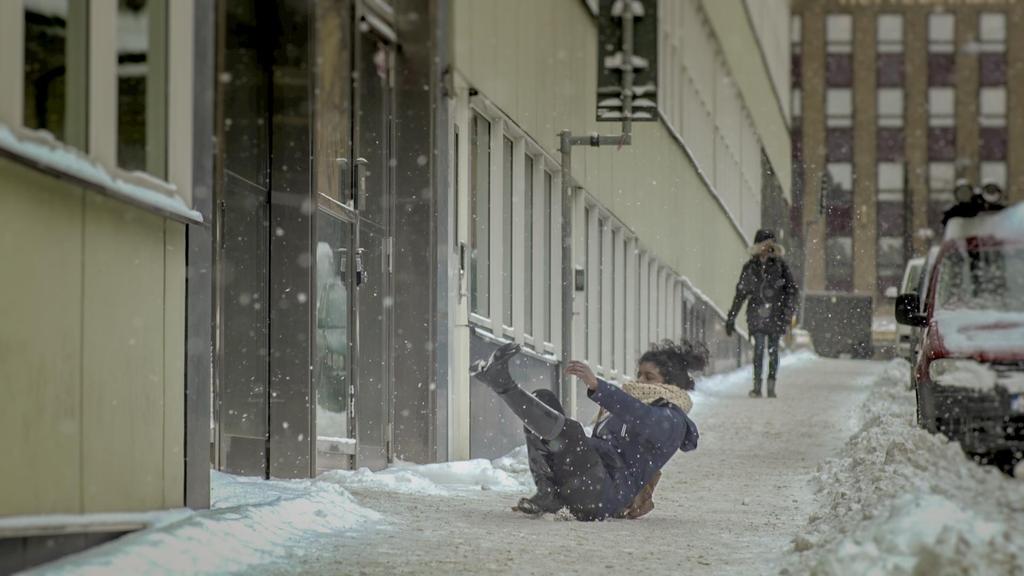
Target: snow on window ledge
(41, 150)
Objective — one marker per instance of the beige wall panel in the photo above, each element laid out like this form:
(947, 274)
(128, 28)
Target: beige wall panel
(174, 365)
(650, 186)
(40, 343)
(123, 373)
(739, 43)
(180, 101)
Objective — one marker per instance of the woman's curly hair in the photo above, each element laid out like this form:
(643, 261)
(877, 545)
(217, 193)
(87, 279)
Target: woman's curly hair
(676, 361)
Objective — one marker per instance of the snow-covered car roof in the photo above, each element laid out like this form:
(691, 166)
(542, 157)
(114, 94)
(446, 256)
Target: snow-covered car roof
(1006, 224)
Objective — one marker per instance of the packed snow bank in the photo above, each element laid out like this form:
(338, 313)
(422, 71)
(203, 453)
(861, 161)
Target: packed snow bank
(902, 501)
(510, 473)
(251, 522)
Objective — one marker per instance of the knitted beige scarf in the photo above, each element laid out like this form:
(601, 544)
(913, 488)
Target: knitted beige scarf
(648, 393)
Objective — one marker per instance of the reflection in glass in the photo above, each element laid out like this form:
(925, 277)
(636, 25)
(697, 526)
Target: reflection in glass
(141, 85)
(55, 68)
(331, 365)
(480, 212)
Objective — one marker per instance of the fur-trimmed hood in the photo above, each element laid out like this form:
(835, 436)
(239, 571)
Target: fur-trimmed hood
(777, 249)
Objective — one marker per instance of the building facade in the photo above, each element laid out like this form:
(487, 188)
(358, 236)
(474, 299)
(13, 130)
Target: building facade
(894, 101)
(271, 237)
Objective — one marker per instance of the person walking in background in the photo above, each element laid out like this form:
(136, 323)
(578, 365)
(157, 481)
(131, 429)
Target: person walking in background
(768, 287)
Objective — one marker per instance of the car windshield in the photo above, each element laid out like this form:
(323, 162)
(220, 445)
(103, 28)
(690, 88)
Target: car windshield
(975, 276)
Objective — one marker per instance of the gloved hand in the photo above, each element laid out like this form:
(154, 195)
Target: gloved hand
(730, 327)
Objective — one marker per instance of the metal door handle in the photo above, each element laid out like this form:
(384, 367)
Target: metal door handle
(361, 164)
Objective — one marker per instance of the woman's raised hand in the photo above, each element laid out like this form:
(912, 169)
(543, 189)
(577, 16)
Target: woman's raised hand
(582, 371)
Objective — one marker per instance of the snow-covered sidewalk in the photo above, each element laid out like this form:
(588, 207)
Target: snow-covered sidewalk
(732, 506)
(901, 501)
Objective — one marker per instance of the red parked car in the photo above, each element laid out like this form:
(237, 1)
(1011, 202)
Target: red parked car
(969, 375)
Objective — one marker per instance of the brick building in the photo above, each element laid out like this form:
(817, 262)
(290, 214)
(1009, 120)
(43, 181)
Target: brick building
(893, 102)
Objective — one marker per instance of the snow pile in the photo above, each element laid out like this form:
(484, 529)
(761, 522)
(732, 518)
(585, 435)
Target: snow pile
(251, 522)
(902, 501)
(510, 473)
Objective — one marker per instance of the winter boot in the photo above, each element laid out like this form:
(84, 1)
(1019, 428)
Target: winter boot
(544, 501)
(756, 392)
(536, 415)
(644, 501)
(771, 389)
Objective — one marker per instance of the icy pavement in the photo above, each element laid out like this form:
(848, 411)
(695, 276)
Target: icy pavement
(898, 500)
(733, 506)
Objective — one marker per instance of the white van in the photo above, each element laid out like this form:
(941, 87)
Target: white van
(905, 335)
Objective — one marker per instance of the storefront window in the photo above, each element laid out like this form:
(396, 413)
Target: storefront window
(56, 73)
(480, 212)
(142, 86)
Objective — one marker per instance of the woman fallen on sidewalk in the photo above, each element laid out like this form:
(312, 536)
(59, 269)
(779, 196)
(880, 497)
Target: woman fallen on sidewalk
(640, 427)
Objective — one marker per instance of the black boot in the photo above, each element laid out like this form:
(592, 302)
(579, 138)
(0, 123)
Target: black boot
(545, 500)
(756, 392)
(536, 415)
(771, 389)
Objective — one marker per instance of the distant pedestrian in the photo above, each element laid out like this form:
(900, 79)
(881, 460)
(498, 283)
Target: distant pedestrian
(768, 287)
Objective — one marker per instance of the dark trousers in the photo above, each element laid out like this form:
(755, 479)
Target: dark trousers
(772, 343)
(567, 466)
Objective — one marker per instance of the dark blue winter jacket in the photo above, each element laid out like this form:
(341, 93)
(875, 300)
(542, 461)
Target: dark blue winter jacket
(635, 441)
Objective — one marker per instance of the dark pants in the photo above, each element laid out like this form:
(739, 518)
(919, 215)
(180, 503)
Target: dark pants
(772, 342)
(567, 466)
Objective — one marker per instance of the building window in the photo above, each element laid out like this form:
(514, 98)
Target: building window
(480, 212)
(839, 50)
(142, 86)
(548, 247)
(528, 200)
(508, 271)
(992, 106)
(941, 49)
(839, 107)
(890, 33)
(941, 106)
(838, 207)
(889, 145)
(890, 107)
(588, 251)
(839, 144)
(941, 122)
(56, 69)
(892, 224)
(993, 173)
(992, 43)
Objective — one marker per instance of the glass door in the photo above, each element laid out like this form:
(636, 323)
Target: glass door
(373, 171)
(335, 345)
